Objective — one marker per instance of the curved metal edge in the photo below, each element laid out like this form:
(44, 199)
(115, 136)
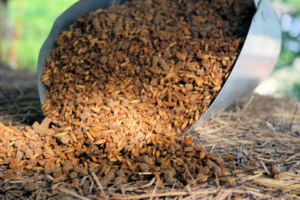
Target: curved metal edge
(255, 62)
(256, 3)
(62, 23)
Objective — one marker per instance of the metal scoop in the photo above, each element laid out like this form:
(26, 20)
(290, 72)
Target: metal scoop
(255, 62)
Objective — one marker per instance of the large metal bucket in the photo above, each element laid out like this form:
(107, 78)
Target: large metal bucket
(255, 62)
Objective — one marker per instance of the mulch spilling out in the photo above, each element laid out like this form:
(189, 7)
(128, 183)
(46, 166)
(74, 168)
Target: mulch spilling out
(143, 68)
(250, 150)
(262, 138)
(118, 98)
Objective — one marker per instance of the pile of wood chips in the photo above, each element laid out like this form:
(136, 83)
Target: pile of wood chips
(122, 85)
(258, 146)
(119, 75)
(40, 149)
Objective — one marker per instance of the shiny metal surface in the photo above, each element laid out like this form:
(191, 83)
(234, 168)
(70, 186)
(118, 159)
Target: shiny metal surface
(255, 62)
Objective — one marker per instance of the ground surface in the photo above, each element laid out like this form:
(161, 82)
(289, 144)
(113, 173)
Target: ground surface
(262, 130)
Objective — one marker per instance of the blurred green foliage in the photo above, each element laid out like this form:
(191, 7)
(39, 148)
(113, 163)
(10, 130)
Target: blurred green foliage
(295, 91)
(35, 18)
(286, 73)
(290, 23)
(295, 3)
